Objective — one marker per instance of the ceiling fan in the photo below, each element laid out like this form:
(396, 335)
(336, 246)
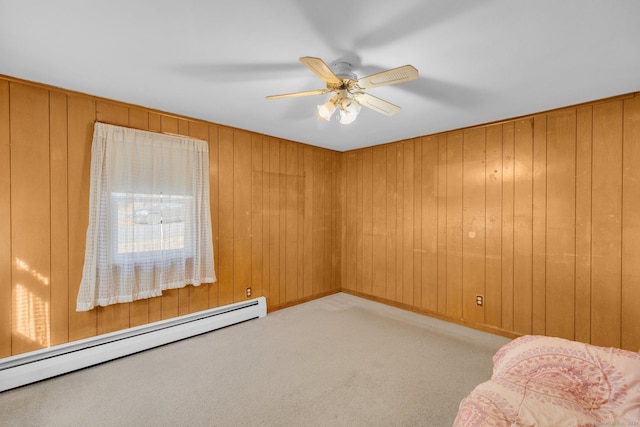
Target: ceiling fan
(348, 89)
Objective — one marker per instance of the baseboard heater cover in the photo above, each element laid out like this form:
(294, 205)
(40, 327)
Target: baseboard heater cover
(22, 369)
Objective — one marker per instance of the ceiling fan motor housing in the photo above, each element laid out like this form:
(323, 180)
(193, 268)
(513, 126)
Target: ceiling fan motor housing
(343, 70)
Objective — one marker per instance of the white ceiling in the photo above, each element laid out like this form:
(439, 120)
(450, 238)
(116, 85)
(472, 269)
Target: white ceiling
(479, 60)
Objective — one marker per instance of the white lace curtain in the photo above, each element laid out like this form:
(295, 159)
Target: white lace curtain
(149, 216)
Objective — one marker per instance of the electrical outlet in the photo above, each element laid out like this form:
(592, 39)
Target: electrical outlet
(479, 300)
(248, 292)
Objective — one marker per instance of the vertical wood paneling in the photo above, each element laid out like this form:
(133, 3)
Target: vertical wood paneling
(309, 214)
(324, 196)
(282, 178)
(379, 212)
(400, 249)
(535, 200)
(454, 223)
(493, 227)
(341, 220)
(293, 181)
(351, 228)
(115, 114)
(429, 224)
(539, 217)
(155, 122)
(630, 292)
(241, 214)
(442, 224)
(324, 209)
(257, 210)
(5, 223)
(473, 224)
(183, 127)
(320, 187)
(299, 206)
(59, 219)
(560, 261)
(583, 223)
(359, 222)
(418, 250)
(408, 179)
(266, 218)
(328, 197)
(367, 220)
(523, 226)
(214, 200)
(508, 177)
(274, 221)
(607, 224)
(226, 187)
(392, 220)
(81, 114)
(429, 218)
(30, 218)
(336, 191)
(138, 118)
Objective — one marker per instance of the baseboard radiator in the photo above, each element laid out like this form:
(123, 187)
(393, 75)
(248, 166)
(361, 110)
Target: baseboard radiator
(22, 369)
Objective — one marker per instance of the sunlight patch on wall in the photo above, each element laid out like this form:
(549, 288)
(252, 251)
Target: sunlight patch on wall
(31, 310)
(32, 317)
(22, 265)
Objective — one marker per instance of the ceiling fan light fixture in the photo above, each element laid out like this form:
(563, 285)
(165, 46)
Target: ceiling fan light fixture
(326, 110)
(349, 110)
(348, 89)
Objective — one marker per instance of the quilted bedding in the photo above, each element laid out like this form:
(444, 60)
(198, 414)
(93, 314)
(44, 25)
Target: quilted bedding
(545, 381)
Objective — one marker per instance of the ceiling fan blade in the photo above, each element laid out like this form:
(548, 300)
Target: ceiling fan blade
(376, 104)
(321, 69)
(296, 94)
(402, 74)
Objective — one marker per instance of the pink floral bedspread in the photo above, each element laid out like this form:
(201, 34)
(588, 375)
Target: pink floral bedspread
(545, 381)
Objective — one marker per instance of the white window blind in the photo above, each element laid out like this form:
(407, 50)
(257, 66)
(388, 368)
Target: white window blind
(149, 216)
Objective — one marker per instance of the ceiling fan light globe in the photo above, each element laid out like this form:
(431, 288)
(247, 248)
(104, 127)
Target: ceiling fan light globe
(326, 110)
(346, 117)
(353, 107)
(349, 111)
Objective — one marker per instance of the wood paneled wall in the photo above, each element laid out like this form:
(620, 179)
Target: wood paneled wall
(539, 215)
(274, 217)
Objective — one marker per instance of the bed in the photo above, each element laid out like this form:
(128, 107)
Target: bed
(546, 381)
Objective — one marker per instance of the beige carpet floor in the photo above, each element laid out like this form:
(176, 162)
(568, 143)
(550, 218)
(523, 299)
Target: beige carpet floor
(335, 361)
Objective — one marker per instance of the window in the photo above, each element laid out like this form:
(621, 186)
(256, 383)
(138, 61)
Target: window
(151, 226)
(149, 216)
